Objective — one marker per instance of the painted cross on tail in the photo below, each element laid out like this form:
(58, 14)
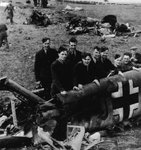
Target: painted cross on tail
(125, 100)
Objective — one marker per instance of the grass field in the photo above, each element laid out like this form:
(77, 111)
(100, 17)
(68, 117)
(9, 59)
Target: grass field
(25, 40)
(17, 63)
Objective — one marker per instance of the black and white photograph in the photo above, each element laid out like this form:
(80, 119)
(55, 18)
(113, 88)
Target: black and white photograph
(70, 74)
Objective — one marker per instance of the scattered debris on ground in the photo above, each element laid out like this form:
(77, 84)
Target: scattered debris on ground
(69, 8)
(38, 18)
(22, 124)
(106, 27)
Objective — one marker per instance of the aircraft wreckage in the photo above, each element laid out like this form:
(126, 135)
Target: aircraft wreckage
(96, 106)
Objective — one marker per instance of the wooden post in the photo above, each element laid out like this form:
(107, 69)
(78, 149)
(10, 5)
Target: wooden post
(14, 111)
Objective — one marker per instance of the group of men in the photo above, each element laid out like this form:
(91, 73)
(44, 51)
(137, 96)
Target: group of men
(66, 69)
(44, 66)
(128, 60)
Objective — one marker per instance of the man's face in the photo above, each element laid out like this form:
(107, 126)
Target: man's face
(126, 59)
(10, 2)
(62, 55)
(104, 54)
(72, 46)
(133, 52)
(46, 44)
(96, 54)
(117, 61)
(86, 61)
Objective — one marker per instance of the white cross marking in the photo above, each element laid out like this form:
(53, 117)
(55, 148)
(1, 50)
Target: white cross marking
(119, 93)
(119, 112)
(132, 108)
(132, 90)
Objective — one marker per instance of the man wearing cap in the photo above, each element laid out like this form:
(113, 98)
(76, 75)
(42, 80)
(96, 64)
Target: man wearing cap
(136, 57)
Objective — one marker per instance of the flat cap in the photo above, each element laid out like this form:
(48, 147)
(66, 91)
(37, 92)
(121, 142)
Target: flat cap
(133, 48)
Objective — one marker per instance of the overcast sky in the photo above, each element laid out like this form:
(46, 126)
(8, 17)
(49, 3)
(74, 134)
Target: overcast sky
(126, 1)
(121, 1)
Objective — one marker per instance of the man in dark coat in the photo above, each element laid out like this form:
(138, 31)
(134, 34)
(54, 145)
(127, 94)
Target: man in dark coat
(96, 62)
(43, 61)
(61, 79)
(105, 66)
(3, 35)
(74, 56)
(83, 72)
(10, 11)
(61, 82)
(44, 3)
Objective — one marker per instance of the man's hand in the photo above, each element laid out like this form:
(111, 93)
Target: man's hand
(63, 92)
(80, 86)
(120, 73)
(38, 85)
(75, 88)
(96, 81)
(136, 69)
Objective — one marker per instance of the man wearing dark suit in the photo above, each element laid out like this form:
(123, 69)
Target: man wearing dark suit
(96, 62)
(43, 61)
(105, 66)
(3, 35)
(61, 81)
(83, 71)
(74, 56)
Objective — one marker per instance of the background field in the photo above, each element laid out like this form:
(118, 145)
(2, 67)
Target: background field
(25, 40)
(17, 62)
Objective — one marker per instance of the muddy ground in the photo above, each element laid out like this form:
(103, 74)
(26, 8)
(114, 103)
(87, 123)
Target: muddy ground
(17, 63)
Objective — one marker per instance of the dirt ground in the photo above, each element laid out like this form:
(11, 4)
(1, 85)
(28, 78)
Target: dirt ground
(17, 63)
